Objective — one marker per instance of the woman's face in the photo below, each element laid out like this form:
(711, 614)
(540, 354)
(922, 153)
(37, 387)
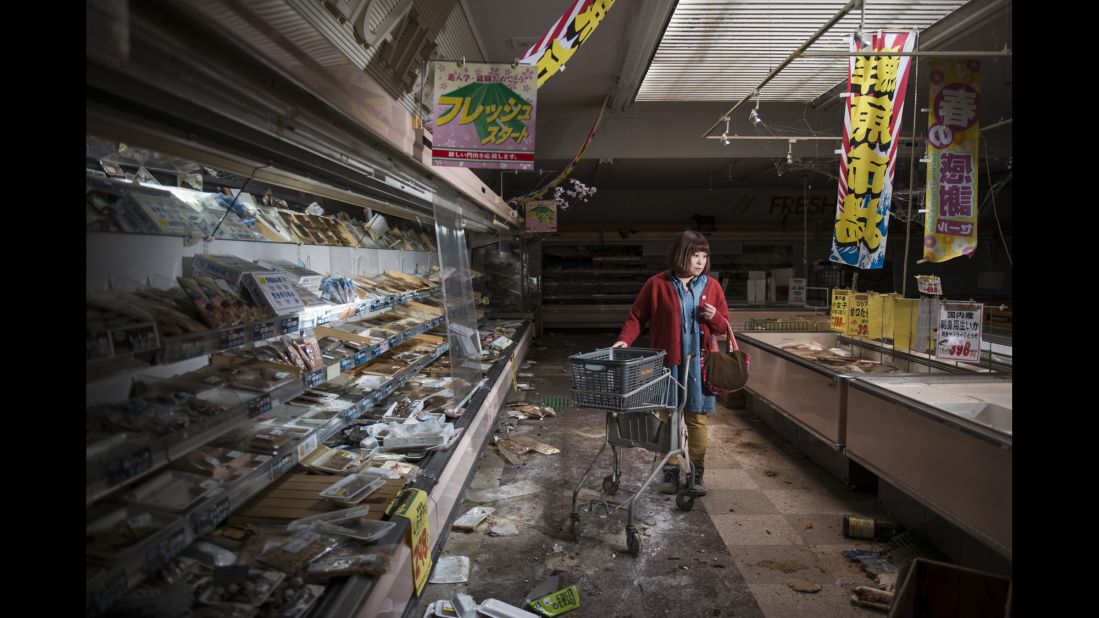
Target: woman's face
(698, 262)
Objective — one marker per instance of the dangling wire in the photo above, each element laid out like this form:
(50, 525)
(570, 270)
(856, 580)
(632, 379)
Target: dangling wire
(992, 194)
(911, 163)
(229, 208)
(805, 224)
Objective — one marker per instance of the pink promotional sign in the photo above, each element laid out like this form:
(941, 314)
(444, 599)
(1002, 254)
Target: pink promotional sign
(484, 115)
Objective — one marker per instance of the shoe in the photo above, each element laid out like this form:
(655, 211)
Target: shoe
(670, 484)
(700, 487)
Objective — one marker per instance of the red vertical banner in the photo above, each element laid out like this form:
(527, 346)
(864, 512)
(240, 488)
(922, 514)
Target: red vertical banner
(876, 86)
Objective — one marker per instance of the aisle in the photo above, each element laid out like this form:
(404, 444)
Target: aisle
(771, 516)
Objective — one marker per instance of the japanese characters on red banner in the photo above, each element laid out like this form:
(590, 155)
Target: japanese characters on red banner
(876, 87)
(959, 336)
(562, 40)
(953, 129)
(484, 115)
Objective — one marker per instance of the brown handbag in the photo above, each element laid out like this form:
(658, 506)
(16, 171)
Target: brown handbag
(725, 372)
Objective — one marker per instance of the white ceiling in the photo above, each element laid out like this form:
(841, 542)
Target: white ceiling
(720, 50)
(645, 137)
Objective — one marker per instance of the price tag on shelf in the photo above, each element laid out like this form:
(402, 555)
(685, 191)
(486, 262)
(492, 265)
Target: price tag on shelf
(929, 284)
(183, 349)
(204, 521)
(231, 338)
(839, 310)
(164, 550)
(348, 363)
(259, 405)
(858, 315)
(288, 324)
(263, 330)
(362, 356)
(313, 379)
(332, 372)
(110, 592)
(959, 337)
(128, 466)
(307, 447)
(383, 347)
(282, 466)
(134, 339)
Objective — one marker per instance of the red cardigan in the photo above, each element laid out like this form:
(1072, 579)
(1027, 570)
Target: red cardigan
(658, 304)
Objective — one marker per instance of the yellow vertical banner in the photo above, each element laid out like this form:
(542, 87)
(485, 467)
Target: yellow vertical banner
(858, 315)
(953, 129)
(412, 505)
(904, 322)
(839, 310)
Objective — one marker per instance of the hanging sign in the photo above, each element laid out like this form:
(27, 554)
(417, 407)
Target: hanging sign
(484, 115)
(929, 284)
(876, 87)
(797, 291)
(959, 336)
(953, 129)
(858, 315)
(541, 216)
(839, 310)
(568, 33)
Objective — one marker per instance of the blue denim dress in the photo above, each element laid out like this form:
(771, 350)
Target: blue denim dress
(691, 335)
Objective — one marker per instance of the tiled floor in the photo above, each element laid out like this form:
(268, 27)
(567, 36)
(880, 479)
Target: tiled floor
(771, 516)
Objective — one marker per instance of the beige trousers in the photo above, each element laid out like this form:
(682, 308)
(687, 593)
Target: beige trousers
(697, 433)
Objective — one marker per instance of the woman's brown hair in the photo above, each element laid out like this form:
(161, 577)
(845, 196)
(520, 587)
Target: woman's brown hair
(686, 245)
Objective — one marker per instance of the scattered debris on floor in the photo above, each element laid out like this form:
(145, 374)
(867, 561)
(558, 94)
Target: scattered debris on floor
(450, 570)
(535, 445)
(781, 565)
(871, 562)
(800, 585)
(809, 526)
(557, 603)
(514, 490)
(531, 411)
(872, 598)
(503, 527)
(472, 518)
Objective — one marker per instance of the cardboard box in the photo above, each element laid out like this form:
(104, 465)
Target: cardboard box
(228, 267)
(932, 588)
(273, 290)
(304, 277)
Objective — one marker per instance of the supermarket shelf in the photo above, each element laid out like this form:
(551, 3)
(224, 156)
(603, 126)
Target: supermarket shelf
(131, 461)
(145, 559)
(193, 345)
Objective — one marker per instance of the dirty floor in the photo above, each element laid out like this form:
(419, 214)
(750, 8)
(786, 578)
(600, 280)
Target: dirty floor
(771, 517)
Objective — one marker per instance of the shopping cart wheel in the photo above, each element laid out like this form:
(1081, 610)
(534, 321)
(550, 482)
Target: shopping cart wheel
(633, 540)
(610, 485)
(574, 525)
(685, 500)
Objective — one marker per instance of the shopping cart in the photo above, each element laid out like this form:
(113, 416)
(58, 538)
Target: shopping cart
(632, 386)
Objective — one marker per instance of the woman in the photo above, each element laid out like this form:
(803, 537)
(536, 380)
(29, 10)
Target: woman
(684, 308)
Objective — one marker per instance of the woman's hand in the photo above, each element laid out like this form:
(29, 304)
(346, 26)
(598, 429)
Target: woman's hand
(620, 344)
(708, 311)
